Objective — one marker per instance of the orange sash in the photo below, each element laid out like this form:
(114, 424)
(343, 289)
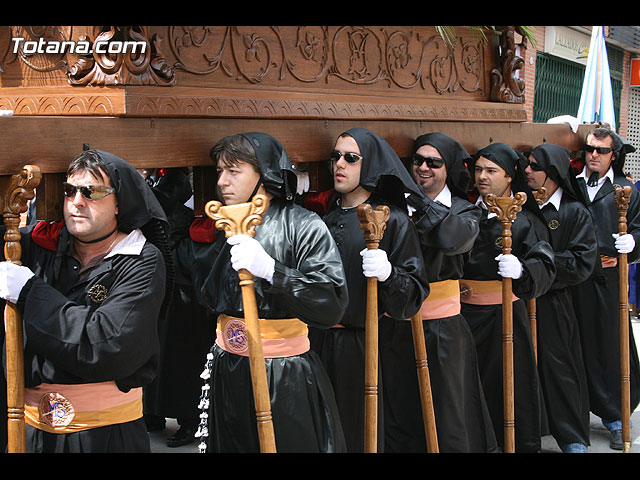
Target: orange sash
(281, 337)
(60, 408)
(482, 292)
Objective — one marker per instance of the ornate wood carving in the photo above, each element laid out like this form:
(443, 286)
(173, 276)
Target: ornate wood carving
(353, 72)
(126, 68)
(505, 85)
(63, 101)
(390, 58)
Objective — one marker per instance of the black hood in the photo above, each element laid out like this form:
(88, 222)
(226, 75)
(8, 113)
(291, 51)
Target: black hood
(383, 172)
(138, 208)
(137, 204)
(455, 157)
(620, 147)
(555, 161)
(276, 170)
(513, 163)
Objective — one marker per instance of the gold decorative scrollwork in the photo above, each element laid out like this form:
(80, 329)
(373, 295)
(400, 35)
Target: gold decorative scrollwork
(241, 218)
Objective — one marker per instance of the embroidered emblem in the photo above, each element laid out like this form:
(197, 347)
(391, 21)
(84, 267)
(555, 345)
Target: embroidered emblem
(465, 291)
(55, 410)
(235, 336)
(553, 224)
(97, 293)
(498, 243)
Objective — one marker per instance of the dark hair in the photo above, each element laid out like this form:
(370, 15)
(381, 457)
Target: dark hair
(89, 161)
(233, 149)
(601, 133)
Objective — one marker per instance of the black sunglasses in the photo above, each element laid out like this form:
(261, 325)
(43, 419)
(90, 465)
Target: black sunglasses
(432, 162)
(90, 192)
(350, 157)
(600, 150)
(536, 167)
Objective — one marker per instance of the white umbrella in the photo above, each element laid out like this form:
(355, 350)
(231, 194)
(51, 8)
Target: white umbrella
(596, 101)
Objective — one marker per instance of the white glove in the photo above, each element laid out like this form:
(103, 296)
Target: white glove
(509, 266)
(303, 182)
(247, 253)
(12, 278)
(375, 264)
(624, 243)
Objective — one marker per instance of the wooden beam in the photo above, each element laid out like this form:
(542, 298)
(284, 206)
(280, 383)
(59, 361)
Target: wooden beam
(52, 142)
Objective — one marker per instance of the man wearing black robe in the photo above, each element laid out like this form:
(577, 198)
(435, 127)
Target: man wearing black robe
(498, 169)
(188, 329)
(562, 374)
(299, 282)
(448, 225)
(90, 304)
(596, 300)
(375, 175)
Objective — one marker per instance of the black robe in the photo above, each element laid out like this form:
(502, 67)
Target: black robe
(596, 303)
(308, 283)
(560, 364)
(69, 339)
(400, 296)
(462, 418)
(485, 321)
(187, 331)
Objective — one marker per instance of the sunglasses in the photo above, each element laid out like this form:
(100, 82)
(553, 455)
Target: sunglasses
(349, 157)
(600, 150)
(536, 167)
(90, 192)
(432, 162)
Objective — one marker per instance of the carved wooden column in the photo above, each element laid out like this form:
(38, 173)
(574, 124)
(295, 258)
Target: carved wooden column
(505, 85)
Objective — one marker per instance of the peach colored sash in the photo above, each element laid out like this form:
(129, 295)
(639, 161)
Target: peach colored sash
(60, 408)
(281, 337)
(482, 292)
(443, 300)
(608, 262)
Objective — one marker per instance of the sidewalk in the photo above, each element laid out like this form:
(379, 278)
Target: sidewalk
(599, 435)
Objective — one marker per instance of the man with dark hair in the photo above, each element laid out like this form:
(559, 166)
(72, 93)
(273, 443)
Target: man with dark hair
(596, 300)
(299, 282)
(560, 364)
(447, 225)
(88, 290)
(367, 170)
(499, 170)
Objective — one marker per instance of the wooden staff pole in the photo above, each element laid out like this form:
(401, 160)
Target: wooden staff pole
(20, 190)
(531, 303)
(424, 381)
(506, 209)
(623, 196)
(372, 222)
(242, 219)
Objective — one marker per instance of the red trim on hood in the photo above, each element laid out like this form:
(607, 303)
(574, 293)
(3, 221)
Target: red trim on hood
(203, 230)
(46, 234)
(318, 201)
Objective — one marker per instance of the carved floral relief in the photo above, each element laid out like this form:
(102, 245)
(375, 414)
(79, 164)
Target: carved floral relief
(394, 58)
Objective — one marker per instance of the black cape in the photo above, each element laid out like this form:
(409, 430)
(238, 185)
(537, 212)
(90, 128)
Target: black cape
(560, 363)
(596, 303)
(531, 247)
(309, 284)
(462, 418)
(188, 330)
(71, 339)
(400, 296)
